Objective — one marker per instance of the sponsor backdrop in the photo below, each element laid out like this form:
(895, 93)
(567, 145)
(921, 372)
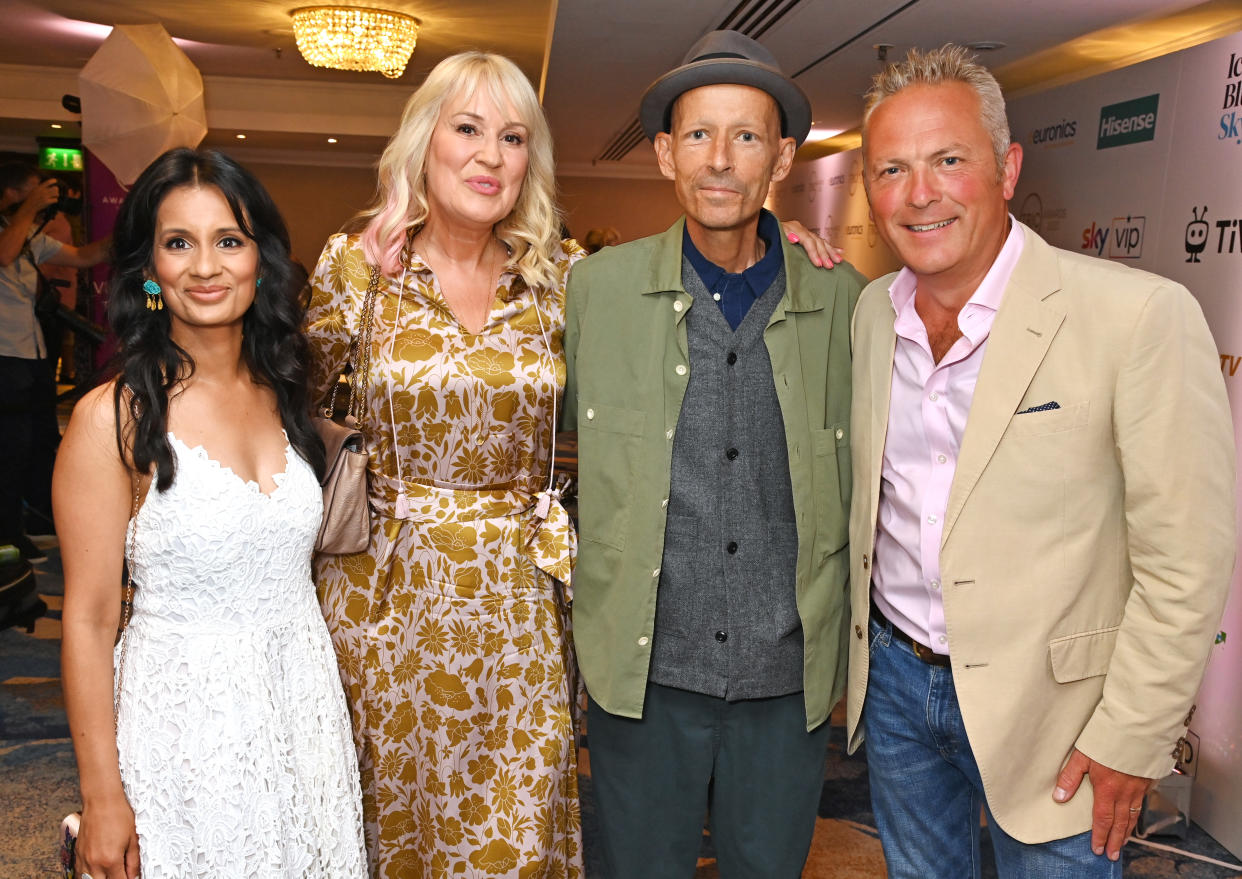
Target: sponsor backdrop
(1143, 166)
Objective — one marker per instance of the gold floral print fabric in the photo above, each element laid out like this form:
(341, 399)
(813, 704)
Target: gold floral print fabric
(451, 641)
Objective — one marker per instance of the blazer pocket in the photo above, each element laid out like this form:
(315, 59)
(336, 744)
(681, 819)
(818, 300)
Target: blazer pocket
(1066, 418)
(1085, 655)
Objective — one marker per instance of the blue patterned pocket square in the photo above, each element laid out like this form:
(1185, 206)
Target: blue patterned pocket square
(1045, 407)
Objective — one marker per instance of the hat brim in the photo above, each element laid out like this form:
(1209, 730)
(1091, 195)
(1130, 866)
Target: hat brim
(655, 109)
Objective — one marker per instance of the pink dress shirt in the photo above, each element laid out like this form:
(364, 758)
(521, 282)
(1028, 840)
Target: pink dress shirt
(928, 407)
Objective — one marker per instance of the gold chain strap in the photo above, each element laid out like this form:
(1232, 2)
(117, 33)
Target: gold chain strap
(360, 363)
(127, 604)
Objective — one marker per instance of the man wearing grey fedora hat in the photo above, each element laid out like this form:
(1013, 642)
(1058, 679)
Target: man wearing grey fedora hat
(709, 380)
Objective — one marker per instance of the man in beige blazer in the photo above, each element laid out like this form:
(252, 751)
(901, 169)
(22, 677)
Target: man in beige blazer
(1042, 531)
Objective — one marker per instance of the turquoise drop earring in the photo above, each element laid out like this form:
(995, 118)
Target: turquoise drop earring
(155, 301)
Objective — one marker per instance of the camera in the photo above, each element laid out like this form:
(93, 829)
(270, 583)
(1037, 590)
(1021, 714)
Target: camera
(67, 204)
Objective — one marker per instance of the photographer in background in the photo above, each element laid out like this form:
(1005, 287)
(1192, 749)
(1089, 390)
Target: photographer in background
(28, 428)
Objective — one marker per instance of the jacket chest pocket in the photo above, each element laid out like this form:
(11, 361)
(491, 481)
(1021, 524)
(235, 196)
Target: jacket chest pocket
(830, 481)
(610, 439)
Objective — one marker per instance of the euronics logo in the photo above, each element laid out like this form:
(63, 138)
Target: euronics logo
(1128, 122)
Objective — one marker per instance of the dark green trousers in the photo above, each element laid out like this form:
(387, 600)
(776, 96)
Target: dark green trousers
(750, 765)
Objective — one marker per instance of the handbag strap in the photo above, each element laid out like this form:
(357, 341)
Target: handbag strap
(359, 355)
(127, 601)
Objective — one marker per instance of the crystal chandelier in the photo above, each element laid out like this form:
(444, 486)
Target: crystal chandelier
(355, 38)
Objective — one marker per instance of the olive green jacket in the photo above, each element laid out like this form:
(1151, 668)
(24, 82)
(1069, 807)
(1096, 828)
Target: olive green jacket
(628, 366)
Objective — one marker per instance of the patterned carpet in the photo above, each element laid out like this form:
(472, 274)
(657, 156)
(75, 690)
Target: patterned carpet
(38, 784)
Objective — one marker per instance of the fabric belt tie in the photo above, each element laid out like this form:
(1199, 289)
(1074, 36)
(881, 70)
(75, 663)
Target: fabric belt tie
(921, 651)
(549, 538)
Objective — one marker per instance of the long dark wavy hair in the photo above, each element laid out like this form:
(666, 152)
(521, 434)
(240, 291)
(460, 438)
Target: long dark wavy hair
(150, 364)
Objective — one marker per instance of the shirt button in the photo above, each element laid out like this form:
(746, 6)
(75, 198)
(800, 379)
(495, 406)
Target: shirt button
(731, 549)
(840, 433)
(866, 565)
(677, 306)
(933, 396)
(935, 584)
(680, 369)
(931, 520)
(644, 641)
(731, 454)
(668, 434)
(943, 639)
(940, 459)
(590, 414)
(716, 296)
(656, 572)
(732, 358)
(722, 637)
(858, 630)
(663, 503)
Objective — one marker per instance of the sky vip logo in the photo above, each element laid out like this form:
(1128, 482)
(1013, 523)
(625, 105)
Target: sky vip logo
(1128, 122)
(1123, 238)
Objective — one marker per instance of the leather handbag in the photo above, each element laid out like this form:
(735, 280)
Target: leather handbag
(346, 524)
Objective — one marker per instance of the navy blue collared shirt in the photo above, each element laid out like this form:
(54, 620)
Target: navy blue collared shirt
(737, 293)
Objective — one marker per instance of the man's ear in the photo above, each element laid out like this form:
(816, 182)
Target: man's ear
(663, 144)
(784, 159)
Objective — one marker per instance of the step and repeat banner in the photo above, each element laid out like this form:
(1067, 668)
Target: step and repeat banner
(1142, 166)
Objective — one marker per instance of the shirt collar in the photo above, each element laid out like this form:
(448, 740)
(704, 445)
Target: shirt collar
(990, 290)
(759, 276)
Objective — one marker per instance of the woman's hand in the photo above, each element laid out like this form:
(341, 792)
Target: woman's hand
(108, 840)
(817, 249)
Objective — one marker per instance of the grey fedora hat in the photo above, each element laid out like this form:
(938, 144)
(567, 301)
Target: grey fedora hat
(726, 57)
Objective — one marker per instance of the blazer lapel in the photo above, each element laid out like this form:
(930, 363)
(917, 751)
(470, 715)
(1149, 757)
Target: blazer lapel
(1025, 326)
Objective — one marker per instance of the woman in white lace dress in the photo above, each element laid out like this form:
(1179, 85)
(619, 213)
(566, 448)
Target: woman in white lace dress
(230, 752)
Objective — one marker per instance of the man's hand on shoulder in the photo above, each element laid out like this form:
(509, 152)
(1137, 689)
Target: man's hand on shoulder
(1118, 800)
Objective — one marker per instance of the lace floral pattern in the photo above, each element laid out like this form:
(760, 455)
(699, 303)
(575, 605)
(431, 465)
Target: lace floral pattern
(233, 732)
(450, 638)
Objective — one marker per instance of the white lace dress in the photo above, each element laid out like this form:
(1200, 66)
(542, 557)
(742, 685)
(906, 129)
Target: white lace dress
(234, 738)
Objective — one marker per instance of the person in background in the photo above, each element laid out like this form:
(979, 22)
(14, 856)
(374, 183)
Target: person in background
(229, 752)
(1042, 531)
(600, 237)
(28, 428)
(709, 380)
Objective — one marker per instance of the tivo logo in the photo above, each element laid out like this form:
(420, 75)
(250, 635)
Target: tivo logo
(1128, 122)
(1123, 238)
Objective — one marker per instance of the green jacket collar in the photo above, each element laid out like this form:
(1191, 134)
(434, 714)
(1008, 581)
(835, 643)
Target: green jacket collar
(664, 275)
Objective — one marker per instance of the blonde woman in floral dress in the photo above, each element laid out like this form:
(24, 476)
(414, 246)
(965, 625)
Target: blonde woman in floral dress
(448, 629)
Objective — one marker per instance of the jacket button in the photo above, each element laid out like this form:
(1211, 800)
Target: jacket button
(858, 630)
(840, 433)
(643, 641)
(866, 562)
(732, 547)
(732, 358)
(680, 369)
(677, 305)
(722, 637)
(590, 414)
(731, 454)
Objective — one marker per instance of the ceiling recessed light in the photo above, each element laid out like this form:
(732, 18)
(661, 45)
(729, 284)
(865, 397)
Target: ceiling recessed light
(332, 140)
(241, 137)
(57, 125)
(985, 46)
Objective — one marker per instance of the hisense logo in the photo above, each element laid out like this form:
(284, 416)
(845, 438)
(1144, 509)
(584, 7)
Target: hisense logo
(1128, 122)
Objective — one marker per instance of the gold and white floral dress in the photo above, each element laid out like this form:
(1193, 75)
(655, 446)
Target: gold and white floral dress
(451, 644)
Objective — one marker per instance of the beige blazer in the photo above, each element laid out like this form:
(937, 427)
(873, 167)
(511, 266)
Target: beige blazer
(1087, 550)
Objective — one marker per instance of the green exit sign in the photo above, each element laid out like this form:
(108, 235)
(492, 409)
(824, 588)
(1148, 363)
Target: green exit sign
(61, 159)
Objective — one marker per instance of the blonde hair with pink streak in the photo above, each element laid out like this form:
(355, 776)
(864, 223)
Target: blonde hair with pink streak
(531, 230)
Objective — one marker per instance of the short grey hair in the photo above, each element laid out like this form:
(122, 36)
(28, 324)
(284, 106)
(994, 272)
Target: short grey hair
(949, 63)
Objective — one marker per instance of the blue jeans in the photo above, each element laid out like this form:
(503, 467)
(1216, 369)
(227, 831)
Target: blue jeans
(926, 791)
